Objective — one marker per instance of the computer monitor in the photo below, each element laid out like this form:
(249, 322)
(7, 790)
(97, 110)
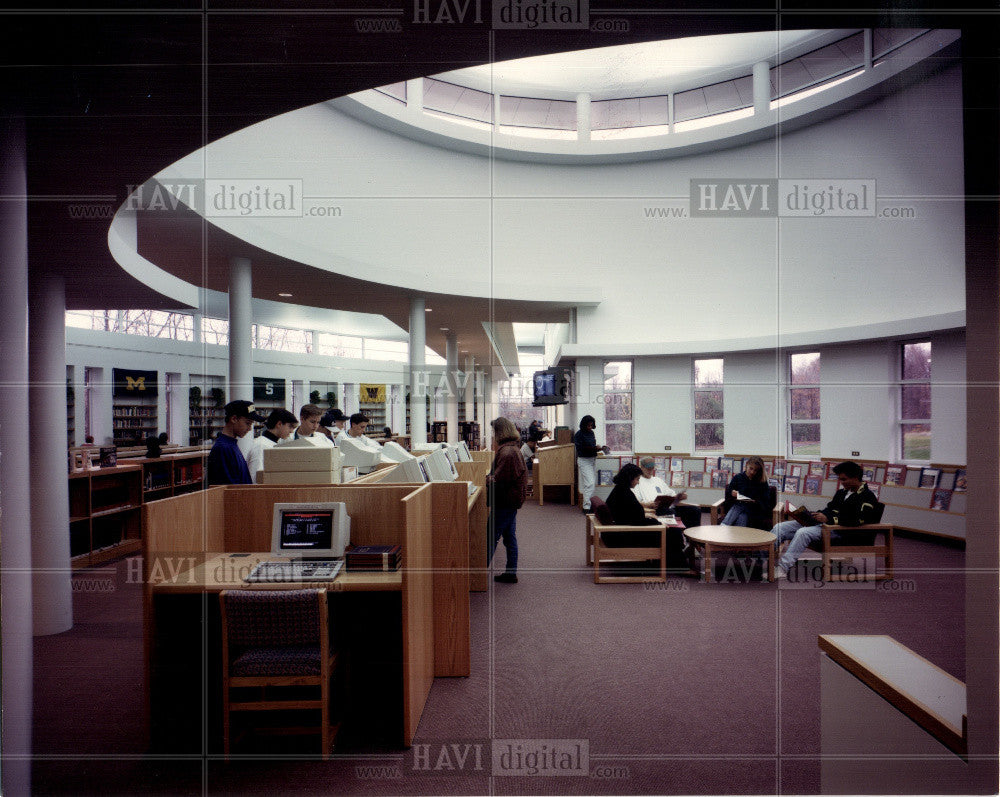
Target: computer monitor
(440, 468)
(394, 452)
(358, 454)
(426, 448)
(412, 471)
(452, 453)
(462, 449)
(310, 531)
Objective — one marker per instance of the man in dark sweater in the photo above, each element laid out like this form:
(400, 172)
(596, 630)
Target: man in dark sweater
(852, 505)
(226, 463)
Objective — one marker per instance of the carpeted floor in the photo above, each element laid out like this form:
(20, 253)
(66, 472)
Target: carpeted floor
(682, 688)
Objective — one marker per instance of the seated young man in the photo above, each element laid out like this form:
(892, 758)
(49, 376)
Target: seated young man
(852, 505)
(279, 426)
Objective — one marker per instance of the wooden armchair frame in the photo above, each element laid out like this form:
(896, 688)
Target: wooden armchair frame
(831, 552)
(603, 553)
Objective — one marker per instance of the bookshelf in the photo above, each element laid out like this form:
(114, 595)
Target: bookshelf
(439, 432)
(469, 432)
(70, 408)
(133, 421)
(204, 412)
(376, 417)
(105, 504)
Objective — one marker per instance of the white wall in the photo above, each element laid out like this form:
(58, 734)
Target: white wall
(858, 398)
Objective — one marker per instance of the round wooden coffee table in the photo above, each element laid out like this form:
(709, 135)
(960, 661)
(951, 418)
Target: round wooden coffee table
(732, 538)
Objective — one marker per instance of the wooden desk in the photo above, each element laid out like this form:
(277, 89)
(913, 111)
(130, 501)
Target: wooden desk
(369, 623)
(733, 538)
(388, 621)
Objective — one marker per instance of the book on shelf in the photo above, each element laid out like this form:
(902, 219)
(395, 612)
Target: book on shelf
(605, 476)
(895, 475)
(109, 456)
(941, 499)
(374, 558)
(960, 483)
(813, 485)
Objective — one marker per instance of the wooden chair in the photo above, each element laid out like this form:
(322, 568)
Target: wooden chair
(861, 541)
(841, 550)
(603, 529)
(275, 643)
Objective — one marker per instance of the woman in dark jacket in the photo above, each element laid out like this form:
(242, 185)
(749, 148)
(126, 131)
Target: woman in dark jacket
(627, 511)
(751, 483)
(507, 485)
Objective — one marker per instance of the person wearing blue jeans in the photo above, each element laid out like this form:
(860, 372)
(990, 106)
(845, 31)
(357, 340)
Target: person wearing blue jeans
(507, 487)
(852, 505)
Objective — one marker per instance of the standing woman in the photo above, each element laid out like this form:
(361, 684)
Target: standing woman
(586, 458)
(507, 486)
(751, 483)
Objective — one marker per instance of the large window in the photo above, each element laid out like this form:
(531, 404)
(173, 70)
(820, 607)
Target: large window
(915, 401)
(270, 338)
(215, 331)
(709, 421)
(803, 405)
(618, 405)
(148, 323)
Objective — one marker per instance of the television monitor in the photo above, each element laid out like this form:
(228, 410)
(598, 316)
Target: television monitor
(439, 467)
(358, 454)
(412, 471)
(552, 386)
(310, 531)
(394, 452)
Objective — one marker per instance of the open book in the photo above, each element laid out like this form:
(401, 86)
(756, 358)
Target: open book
(744, 499)
(800, 513)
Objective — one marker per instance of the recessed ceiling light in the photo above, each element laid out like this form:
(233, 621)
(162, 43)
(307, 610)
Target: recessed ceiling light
(445, 329)
(286, 295)
(428, 309)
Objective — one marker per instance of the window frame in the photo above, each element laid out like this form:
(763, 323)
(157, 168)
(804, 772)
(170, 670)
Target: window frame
(695, 421)
(789, 421)
(902, 382)
(630, 392)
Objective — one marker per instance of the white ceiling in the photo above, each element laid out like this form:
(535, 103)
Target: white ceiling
(637, 69)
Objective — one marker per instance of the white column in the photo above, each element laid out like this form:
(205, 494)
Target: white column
(469, 387)
(415, 96)
(315, 341)
(761, 88)
(867, 38)
(240, 345)
(583, 117)
(240, 323)
(572, 325)
(52, 596)
(482, 392)
(15, 493)
(451, 394)
(670, 112)
(418, 372)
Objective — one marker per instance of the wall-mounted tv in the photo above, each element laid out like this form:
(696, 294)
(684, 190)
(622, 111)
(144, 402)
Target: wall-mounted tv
(552, 386)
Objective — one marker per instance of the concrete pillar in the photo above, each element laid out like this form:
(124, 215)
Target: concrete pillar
(15, 492)
(240, 343)
(418, 371)
(583, 116)
(867, 37)
(670, 112)
(761, 88)
(240, 323)
(469, 388)
(451, 394)
(52, 596)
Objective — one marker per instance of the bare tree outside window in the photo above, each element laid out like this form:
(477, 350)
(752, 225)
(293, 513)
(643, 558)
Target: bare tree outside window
(618, 405)
(915, 401)
(707, 396)
(804, 405)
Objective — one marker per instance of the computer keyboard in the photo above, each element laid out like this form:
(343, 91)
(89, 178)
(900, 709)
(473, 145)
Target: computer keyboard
(301, 570)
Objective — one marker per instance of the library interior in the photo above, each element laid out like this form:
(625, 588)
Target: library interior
(408, 222)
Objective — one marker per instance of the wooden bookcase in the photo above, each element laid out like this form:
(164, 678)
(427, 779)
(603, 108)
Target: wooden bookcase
(105, 504)
(133, 421)
(376, 417)
(469, 432)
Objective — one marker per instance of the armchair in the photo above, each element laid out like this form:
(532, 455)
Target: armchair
(608, 542)
(719, 509)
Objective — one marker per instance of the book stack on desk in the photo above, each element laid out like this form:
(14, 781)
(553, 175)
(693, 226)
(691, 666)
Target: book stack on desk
(374, 558)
